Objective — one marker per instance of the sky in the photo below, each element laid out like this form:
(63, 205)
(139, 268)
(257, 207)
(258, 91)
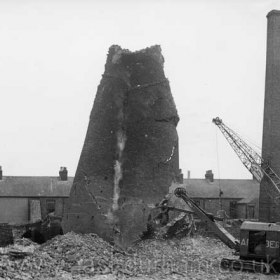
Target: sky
(52, 56)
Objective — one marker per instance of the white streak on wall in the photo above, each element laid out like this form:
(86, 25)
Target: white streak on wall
(117, 178)
(172, 153)
(121, 139)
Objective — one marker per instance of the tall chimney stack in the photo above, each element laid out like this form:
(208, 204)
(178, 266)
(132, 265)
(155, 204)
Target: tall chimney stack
(1, 173)
(269, 211)
(125, 166)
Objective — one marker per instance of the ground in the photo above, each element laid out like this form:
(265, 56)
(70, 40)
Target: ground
(75, 256)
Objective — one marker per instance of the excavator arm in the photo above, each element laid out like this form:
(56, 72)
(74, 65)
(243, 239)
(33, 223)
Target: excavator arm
(220, 232)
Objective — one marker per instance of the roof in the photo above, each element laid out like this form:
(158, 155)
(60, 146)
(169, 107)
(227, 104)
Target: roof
(231, 188)
(35, 186)
(258, 226)
(252, 199)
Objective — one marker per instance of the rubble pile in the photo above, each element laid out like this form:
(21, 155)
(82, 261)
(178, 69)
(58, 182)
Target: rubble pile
(76, 256)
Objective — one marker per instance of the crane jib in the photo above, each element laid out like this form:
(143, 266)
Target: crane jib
(255, 164)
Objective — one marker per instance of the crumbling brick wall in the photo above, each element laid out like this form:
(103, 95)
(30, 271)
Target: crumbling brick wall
(130, 154)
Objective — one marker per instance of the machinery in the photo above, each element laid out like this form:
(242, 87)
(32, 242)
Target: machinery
(250, 158)
(259, 245)
(258, 248)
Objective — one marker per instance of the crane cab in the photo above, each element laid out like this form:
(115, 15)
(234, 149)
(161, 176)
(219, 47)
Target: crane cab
(260, 241)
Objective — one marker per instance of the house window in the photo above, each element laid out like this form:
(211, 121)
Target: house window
(50, 205)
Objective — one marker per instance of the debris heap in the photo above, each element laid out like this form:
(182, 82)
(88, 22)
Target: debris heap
(130, 154)
(76, 256)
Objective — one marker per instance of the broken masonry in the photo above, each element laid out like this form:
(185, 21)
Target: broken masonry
(130, 154)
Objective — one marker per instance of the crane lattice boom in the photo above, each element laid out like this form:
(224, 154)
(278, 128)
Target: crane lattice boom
(249, 157)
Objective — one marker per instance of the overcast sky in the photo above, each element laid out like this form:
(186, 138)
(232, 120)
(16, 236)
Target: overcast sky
(52, 56)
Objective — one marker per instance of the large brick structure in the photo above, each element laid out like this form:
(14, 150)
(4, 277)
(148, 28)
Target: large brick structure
(130, 154)
(269, 208)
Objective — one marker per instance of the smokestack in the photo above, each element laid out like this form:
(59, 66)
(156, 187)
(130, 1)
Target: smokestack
(125, 165)
(63, 174)
(269, 211)
(189, 174)
(1, 173)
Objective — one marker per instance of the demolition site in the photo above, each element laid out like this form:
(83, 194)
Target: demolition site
(129, 213)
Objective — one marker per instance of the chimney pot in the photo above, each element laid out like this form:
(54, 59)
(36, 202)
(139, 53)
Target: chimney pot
(63, 174)
(209, 176)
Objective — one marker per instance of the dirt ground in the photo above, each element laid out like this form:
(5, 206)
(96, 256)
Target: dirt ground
(75, 256)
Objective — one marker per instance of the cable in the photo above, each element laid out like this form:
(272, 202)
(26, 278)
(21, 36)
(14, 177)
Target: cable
(218, 165)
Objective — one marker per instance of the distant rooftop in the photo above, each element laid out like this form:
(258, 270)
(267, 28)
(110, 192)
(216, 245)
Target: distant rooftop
(247, 190)
(35, 186)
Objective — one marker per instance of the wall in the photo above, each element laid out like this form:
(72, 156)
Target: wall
(59, 203)
(6, 235)
(213, 205)
(242, 211)
(16, 210)
(13, 210)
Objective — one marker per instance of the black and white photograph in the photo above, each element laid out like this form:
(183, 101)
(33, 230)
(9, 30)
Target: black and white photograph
(139, 139)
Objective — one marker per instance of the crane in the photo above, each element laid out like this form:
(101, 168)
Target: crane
(249, 157)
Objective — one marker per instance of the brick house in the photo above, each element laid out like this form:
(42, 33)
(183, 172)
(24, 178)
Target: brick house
(27, 198)
(238, 197)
